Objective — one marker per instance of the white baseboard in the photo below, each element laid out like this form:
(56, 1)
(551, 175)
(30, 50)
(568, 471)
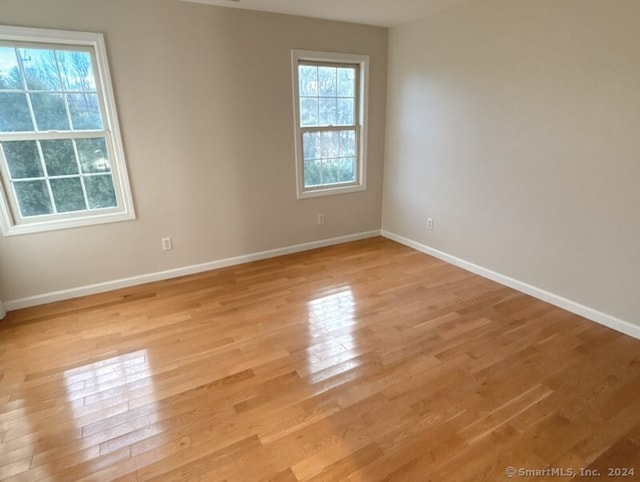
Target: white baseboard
(177, 272)
(3, 311)
(617, 324)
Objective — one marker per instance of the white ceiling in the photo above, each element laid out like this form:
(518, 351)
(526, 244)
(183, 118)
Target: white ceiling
(385, 13)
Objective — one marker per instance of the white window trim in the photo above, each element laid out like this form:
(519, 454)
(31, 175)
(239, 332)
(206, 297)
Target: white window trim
(363, 62)
(95, 41)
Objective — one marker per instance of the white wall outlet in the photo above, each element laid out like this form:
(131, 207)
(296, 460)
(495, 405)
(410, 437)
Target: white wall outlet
(320, 219)
(429, 223)
(167, 244)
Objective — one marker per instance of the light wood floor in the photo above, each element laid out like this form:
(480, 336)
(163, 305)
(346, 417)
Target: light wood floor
(360, 362)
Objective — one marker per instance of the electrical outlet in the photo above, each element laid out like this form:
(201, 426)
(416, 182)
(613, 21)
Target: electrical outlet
(320, 219)
(167, 244)
(429, 223)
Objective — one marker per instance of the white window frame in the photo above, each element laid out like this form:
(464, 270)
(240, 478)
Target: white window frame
(11, 221)
(362, 62)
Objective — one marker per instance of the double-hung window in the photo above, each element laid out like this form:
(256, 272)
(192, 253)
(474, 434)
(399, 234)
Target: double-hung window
(61, 158)
(330, 93)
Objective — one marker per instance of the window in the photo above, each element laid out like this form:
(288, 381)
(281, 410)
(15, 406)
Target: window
(330, 122)
(61, 158)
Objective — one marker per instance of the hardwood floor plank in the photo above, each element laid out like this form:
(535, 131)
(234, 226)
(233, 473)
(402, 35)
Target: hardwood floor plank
(365, 361)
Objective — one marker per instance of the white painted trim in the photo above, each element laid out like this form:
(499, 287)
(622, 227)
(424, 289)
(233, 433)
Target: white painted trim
(177, 272)
(609, 321)
(10, 222)
(361, 126)
(3, 311)
(69, 223)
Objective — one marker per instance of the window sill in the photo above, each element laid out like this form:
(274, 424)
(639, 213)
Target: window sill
(30, 228)
(330, 191)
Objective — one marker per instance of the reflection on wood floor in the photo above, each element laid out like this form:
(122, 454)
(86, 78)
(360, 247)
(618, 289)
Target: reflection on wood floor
(360, 362)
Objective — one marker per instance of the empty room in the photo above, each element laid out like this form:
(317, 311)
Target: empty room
(337, 240)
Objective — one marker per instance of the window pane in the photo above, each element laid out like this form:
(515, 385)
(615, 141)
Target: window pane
(347, 82)
(328, 111)
(327, 77)
(68, 194)
(330, 171)
(347, 143)
(33, 198)
(329, 99)
(308, 80)
(100, 192)
(93, 155)
(347, 169)
(77, 71)
(85, 111)
(23, 159)
(50, 112)
(311, 144)
(59, 157)
(309, 111)
(312, 173)
(14, 113)
(346, 112)
(10, 77)
(40, 69)
(330, 144)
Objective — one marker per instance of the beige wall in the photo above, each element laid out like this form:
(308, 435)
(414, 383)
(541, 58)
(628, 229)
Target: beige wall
(516, 126)
(205, 104)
